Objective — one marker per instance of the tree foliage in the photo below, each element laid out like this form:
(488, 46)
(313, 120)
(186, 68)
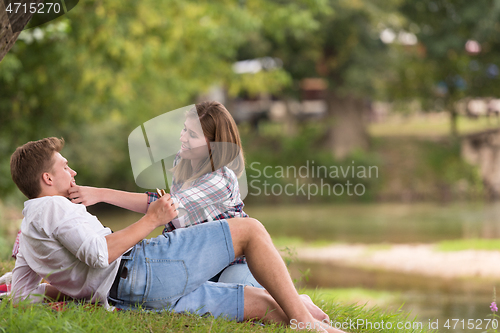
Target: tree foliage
(104, 68)
(11, 24)
(343, 47)
(441, 69)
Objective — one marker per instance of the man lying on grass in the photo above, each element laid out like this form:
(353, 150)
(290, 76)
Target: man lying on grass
(81, 259)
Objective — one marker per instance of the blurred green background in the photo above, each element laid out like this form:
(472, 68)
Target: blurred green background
(334, 82)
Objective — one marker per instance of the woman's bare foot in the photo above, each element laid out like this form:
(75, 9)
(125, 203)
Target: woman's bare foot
(321, 320)
(329, 329)
(315, 311)
(313, 325)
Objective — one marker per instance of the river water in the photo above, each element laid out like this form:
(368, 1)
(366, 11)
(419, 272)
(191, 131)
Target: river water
(429, 299)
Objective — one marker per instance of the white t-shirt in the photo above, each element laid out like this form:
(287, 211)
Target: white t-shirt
(64, 244)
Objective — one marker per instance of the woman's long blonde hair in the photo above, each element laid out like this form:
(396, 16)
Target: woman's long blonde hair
(225, 148)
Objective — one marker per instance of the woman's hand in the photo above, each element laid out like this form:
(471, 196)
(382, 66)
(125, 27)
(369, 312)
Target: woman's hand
(85, 195)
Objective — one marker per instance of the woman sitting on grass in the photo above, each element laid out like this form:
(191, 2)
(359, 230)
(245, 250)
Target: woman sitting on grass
(205, 180)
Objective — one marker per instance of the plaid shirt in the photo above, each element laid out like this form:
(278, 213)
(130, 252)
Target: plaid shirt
(15, 249)
(213, 196)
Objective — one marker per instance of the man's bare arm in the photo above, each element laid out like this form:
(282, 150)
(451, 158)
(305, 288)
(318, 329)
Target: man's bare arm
(159, 213)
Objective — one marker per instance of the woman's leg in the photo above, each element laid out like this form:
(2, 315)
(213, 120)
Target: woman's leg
(251, 239)
(238, 273)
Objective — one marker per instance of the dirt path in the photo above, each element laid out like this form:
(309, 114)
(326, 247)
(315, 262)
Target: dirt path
(417, 259)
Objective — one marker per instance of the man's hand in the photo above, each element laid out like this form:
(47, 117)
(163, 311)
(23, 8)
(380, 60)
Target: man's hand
(159, 213)
(162, 210)
(85, 195)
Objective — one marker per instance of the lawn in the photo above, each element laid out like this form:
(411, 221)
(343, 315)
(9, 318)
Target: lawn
(80, 318)
(469, 244)
(429, 125)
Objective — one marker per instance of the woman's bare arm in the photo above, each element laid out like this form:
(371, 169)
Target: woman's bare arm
(88, 196)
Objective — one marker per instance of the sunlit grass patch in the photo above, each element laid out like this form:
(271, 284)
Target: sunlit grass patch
(430, 125)
(295, 242)
(291, 242)
(469, 244)
(360, 296)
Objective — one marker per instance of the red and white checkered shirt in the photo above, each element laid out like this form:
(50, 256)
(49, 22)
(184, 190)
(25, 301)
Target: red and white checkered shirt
(213, 196)
(15, 249)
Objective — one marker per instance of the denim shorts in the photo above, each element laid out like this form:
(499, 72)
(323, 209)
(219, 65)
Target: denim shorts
(237, 273)
(171, 272)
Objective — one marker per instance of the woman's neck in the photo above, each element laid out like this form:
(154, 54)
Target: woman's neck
(195, 165)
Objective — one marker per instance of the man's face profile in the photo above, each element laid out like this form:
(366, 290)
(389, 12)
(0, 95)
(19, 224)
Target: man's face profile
(61, 175)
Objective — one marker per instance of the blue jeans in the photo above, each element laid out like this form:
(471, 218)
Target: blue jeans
(171, 272)
(237, 273)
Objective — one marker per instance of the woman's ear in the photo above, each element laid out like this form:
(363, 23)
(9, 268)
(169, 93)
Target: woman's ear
(47, 178)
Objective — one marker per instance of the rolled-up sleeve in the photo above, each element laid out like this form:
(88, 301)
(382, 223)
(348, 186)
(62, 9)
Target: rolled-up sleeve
(84, 243)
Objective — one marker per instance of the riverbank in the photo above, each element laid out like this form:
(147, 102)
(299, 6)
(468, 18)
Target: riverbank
(419, 259)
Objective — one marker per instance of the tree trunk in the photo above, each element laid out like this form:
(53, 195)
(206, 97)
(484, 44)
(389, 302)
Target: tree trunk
(453, 121)
(11, 28)
(450, 104)
(347, 120)
(290, 118)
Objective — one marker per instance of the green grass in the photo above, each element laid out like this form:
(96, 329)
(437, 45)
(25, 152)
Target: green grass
(78, 318)
(6, 266)
(293, 242)
(419, 125)
(354, 295)
(39, 318)
(469, 244)
(10, 220)
(430, 125)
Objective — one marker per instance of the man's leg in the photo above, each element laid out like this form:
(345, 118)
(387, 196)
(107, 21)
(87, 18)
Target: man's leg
(251, 239)
(260, 304)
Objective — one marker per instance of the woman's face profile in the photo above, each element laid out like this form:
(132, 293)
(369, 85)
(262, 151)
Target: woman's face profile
(194, 145)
